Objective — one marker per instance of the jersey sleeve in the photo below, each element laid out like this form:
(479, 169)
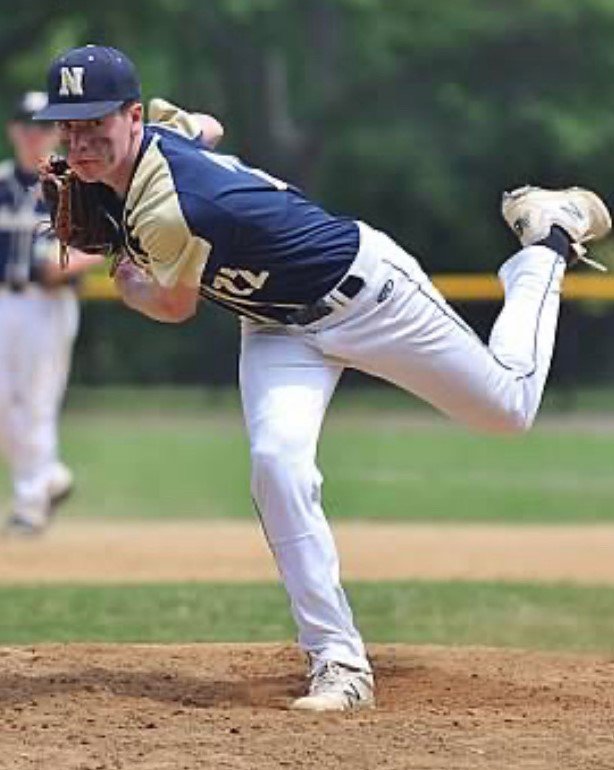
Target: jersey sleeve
(158, 236)
(170, 116)
(162, 242)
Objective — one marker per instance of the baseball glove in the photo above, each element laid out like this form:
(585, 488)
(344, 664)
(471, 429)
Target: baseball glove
(79, 216)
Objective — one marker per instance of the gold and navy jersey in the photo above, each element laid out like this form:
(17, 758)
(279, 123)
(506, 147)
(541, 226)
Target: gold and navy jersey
(24, 238)
(250, 242)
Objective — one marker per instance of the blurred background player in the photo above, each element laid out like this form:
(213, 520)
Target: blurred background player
(39, 317)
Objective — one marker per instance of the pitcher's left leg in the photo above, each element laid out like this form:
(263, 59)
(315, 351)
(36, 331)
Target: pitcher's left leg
(286, 386)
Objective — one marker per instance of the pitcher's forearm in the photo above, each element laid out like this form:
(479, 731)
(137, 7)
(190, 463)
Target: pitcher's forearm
(142, 293)
(138, 293)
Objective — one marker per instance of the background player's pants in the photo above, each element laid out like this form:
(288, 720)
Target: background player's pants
(401, 329)
(37, 331)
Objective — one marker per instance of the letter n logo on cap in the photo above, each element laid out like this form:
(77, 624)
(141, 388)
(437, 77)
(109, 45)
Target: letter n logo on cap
(71, 81)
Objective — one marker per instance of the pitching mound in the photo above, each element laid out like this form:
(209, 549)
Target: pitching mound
(109, 707)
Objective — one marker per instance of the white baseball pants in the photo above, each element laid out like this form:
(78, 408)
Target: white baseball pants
(400, 329)
(37, 331)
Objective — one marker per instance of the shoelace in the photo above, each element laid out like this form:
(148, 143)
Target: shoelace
(592, 263)
(581, 257)
(329, 673)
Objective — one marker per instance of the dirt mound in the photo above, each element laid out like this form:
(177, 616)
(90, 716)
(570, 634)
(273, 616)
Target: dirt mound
(109, 707)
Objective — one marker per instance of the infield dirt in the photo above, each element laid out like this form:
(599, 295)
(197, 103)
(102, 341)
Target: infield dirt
(201, 707)
(109, 551)
(115, 707)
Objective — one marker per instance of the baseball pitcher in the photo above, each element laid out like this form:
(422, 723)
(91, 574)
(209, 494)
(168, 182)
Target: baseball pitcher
(316, 293)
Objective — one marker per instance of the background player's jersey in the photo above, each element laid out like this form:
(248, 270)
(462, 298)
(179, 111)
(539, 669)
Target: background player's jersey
(23, 238)
(252, 243)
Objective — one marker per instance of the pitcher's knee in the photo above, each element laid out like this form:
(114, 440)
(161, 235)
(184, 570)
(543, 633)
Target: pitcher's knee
(278, 468)
(266, 464)
(510, 421)
(517, 423)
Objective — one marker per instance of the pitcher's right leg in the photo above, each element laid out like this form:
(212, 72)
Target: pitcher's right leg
(413, 338)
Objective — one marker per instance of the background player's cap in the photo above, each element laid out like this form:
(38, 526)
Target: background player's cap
(88, 83)
(28, 105)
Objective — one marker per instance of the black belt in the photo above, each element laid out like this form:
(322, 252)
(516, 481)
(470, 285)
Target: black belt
(350, 286)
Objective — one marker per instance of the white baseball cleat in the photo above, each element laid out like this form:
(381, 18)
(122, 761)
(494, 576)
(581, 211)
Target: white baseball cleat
(335, 687)
(532, 211)
(61, 485)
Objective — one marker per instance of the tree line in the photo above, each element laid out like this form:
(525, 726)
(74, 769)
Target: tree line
(411, 114)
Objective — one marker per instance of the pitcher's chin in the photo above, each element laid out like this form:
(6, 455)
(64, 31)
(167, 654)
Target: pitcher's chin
(88, 170)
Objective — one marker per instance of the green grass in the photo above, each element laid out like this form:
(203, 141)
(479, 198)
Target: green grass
(164, 453)
(534, 617)
(196, 465)
(384, 397)
(169, 453)
(442, 473)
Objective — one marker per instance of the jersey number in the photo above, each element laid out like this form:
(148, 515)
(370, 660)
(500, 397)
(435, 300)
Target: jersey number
(239, 283)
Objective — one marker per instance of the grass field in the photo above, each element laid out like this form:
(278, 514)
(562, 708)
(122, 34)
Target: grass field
(184, 455)
(528, 616)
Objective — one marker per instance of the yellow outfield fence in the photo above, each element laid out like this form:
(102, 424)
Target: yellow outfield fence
(460, 287)
(472, 287)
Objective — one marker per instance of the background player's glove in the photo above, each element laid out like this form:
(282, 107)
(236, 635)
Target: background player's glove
(79, 216)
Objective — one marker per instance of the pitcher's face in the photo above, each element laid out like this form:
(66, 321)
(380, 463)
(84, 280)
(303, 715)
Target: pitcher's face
(97, 149)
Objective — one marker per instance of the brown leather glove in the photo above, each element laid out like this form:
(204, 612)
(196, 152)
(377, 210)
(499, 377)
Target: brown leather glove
(79, 216)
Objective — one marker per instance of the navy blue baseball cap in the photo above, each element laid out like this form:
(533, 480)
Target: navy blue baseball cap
(88, 83)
